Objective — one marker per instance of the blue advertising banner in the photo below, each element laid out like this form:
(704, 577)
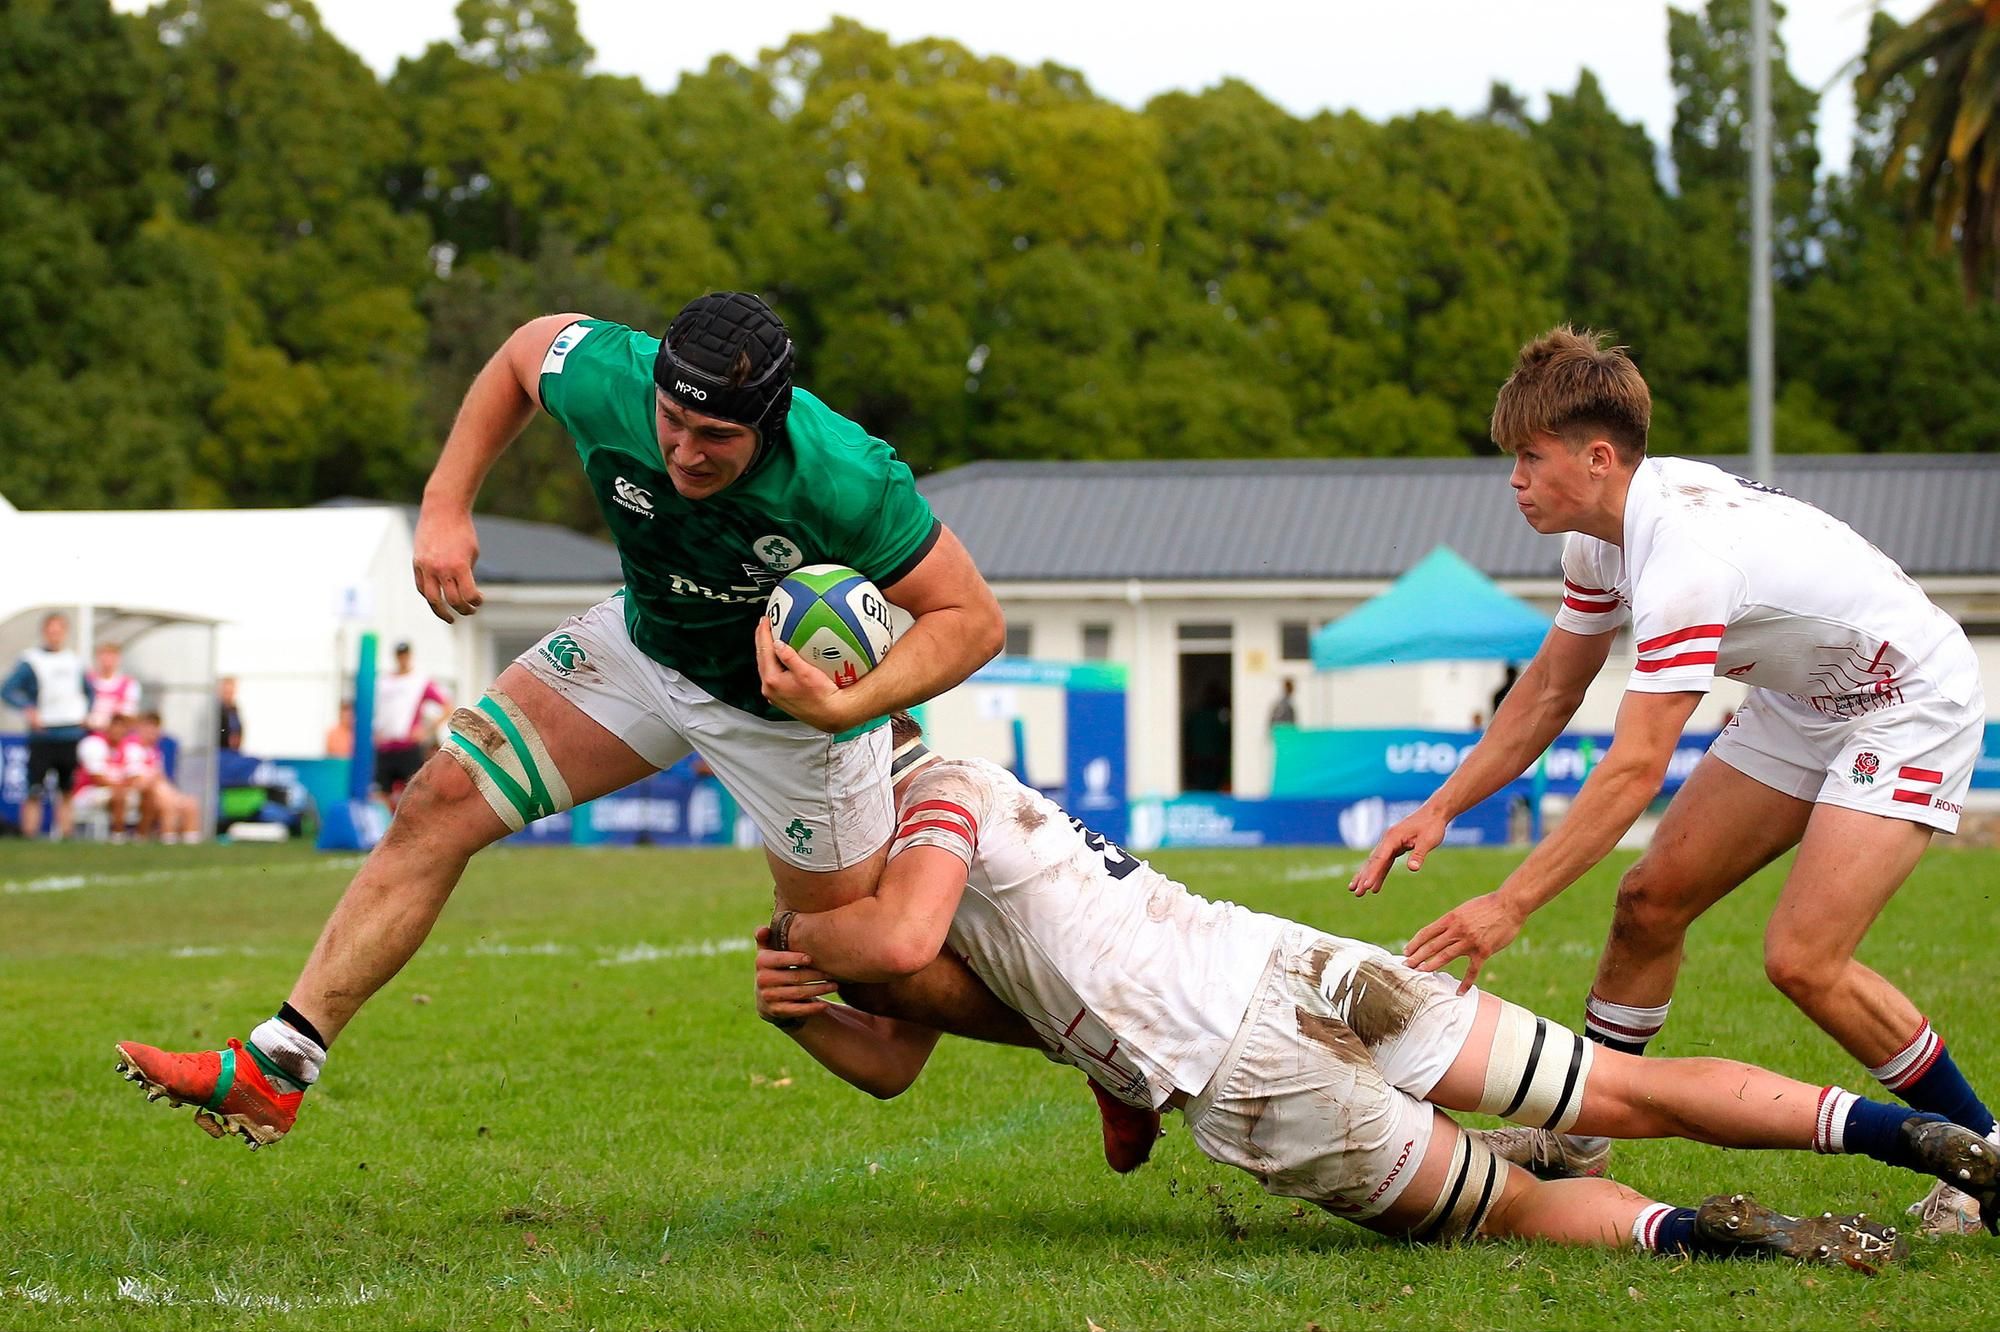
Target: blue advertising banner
(1405, 763)
(1208, 820)
(683, 806)
(1986, 768)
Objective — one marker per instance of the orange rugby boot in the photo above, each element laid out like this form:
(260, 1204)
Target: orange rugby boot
(230, 1089)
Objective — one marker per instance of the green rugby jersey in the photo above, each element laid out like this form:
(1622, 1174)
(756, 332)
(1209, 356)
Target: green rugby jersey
(697, 572)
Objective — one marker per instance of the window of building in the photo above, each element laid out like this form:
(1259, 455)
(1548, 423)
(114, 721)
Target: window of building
(1020, 640)
(1295, 640)
(1203, 636)
(1097, 642)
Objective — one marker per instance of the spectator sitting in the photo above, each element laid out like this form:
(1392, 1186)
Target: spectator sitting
(164, 809)
(111, 693)
(229, 720)
(103, 782)
(407, 706)
(50, 689)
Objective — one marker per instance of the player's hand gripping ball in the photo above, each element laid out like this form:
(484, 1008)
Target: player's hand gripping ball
(834, 618)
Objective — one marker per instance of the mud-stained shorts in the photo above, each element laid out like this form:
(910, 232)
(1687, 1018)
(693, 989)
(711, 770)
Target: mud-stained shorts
(821, 803)
(1320, 1093)
(1911, 759)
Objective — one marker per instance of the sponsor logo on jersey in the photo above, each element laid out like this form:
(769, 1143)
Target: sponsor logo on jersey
(681, 585)
(1866, 764)
(801, 837)
(698, 394)
(1401, 1161)
(778, 553)
(564, 653)
(565, 343)
(629, 496)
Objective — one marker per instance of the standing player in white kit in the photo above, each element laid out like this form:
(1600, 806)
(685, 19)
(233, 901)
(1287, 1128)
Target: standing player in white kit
(1856, 743)
(1304, 1059)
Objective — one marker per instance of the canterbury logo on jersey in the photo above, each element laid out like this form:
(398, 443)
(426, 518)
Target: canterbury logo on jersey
(638, 500)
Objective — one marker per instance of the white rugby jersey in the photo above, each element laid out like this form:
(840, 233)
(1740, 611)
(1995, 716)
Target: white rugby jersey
(1720, 575)
(1123, 972)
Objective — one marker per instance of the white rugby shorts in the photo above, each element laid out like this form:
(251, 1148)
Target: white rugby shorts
(1320, 1093)
(1909, 759)
(820, 803)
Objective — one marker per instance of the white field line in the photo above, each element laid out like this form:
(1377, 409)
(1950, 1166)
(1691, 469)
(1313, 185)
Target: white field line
(625, 957)
(1338, 870)
(139, 1290)
(629, 955)
(64, 883)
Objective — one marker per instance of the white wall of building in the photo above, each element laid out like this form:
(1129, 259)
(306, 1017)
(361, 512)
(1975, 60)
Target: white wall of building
(1145, 619)
(290, 591)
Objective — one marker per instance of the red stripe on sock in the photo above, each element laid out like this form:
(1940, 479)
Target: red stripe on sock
(1611, 1028)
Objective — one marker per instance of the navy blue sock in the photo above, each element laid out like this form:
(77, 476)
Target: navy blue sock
(1875, 1129)
(1670, 1231)
(1944, 1091)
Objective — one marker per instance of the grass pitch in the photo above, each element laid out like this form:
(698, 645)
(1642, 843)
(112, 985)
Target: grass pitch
(565, 1114)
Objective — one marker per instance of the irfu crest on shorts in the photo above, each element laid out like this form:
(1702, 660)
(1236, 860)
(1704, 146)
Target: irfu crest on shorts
(564, 653)
(801, 837)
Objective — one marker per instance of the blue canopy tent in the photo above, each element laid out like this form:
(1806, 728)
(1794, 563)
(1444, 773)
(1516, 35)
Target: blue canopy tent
(1443, 609)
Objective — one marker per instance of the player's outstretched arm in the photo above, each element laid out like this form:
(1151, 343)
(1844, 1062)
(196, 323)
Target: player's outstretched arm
(498, 406)
(1528, 720)
(897, 932)
(880, 1055)
(1613, 796)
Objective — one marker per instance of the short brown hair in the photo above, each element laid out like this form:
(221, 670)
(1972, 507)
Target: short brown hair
(903, 728)
(1575, 386)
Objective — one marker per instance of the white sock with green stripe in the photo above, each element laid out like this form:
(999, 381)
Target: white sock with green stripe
(288, 1057)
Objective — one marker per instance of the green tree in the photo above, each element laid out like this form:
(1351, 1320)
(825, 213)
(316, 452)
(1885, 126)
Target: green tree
(109, 322)
(1946, 146)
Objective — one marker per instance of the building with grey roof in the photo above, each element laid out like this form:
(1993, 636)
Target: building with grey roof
(1208, 577)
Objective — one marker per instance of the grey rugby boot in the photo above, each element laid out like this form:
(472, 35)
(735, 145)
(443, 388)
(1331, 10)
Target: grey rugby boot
(1548, 1155)
(1740, 1222)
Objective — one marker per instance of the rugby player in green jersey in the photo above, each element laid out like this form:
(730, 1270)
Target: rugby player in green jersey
(716, 477)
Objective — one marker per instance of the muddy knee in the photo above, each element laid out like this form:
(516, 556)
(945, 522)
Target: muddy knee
(1651, 911)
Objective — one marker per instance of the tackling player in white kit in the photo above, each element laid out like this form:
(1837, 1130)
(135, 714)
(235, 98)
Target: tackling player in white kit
(1856, 743)
(1304, 1059)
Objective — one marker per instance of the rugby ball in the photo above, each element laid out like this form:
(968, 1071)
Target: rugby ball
(833, 617)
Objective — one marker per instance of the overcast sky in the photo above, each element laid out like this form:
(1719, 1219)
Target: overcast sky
(1381, 57)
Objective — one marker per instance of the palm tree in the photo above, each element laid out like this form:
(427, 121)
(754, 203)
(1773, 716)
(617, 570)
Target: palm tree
(1947, 141)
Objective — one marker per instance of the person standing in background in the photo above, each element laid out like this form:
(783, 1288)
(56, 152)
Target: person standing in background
(1285, 711)
(340, 735)
(229, 721)
(112, 693)
(408, 705)
(49, 687)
